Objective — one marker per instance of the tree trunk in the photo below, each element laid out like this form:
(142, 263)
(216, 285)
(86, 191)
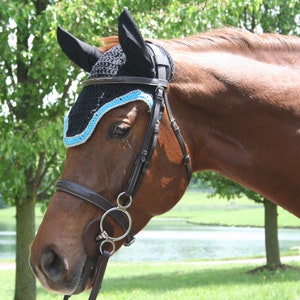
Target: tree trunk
(271, 235)
(25, 285)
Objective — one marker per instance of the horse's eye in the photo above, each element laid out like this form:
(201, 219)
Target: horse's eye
(119, 131)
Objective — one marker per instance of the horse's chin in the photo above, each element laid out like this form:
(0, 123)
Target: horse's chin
(87, 274)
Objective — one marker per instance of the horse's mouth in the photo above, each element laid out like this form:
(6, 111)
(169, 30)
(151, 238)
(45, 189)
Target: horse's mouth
(87, 275)
(91, 245)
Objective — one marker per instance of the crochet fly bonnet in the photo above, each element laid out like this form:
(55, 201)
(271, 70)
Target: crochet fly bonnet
(132, 57)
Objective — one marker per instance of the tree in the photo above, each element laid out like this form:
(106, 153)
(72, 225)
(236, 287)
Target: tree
(28, 157)
(35, 90)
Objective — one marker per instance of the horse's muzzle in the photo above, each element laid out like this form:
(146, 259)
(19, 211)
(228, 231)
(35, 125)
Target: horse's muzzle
(54, 273)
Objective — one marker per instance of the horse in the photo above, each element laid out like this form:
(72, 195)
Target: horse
(150, 114)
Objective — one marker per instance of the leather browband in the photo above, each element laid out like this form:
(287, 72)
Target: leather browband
(126, 80)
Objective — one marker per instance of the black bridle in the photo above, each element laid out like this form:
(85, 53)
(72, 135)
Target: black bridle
(119, 212)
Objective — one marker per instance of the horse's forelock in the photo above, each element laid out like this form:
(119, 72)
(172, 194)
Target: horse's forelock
(108, 42)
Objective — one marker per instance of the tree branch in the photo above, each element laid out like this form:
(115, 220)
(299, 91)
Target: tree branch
(39, 171)
(43, 194)
(48, 164)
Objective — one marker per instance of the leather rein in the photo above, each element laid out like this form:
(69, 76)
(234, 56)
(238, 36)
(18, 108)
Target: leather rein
(124, 200)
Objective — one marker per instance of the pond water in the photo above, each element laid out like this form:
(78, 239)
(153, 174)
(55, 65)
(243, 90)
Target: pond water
(176, 240)
(182, 241)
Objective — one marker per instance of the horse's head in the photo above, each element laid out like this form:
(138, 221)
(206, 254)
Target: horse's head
(114, 149)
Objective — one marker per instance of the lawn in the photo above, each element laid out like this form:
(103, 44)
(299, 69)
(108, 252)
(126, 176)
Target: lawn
(165, 281)
(199, 208)
(8, 220)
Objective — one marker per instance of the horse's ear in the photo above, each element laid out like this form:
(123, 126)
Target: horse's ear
(139, 60)
(81, 53)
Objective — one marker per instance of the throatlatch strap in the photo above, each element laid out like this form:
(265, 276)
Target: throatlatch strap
(177, 132)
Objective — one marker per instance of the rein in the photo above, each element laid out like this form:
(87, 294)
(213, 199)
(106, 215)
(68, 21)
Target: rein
(124, 200)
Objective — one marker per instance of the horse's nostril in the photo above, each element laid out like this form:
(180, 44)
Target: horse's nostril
(53, 266)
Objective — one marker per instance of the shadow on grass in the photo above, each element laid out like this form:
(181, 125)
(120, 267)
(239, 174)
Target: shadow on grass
(273, 270)
(173, 280)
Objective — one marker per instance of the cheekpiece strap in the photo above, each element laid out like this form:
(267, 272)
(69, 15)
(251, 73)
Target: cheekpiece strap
(100, 271)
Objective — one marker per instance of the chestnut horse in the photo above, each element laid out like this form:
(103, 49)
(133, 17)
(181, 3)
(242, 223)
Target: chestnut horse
(236, 99)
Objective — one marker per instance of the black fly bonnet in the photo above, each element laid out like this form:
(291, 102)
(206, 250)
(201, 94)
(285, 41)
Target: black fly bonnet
(96, 100)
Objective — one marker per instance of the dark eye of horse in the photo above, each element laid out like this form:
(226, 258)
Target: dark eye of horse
(118, 131)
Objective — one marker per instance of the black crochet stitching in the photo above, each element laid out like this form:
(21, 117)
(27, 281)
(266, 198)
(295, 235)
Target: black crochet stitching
(110, 64)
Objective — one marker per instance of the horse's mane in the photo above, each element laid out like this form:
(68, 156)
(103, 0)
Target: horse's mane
(232, 38)
(226, 39)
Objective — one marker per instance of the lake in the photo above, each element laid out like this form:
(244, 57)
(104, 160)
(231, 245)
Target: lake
(176, 240)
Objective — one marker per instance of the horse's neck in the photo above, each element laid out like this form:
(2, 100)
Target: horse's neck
(241, 118)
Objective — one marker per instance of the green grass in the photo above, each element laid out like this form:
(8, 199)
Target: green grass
(8, 218)
(165, 281)
(198, 208)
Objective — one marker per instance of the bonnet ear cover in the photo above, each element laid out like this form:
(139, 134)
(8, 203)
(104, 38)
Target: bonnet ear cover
(139, 60)
(81, 53)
